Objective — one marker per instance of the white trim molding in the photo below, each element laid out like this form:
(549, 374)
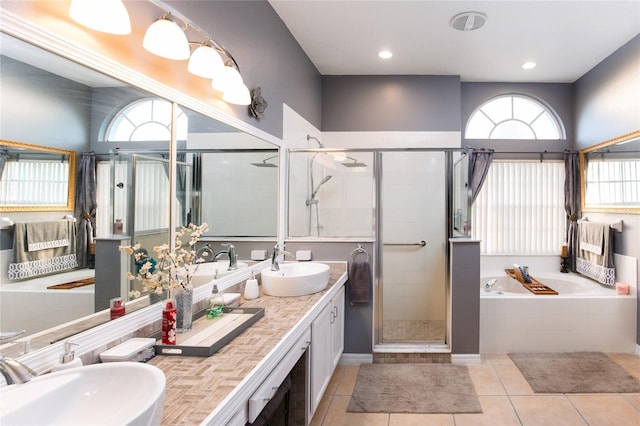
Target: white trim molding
(466, 359)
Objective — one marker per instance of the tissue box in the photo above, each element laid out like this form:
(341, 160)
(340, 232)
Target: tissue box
(302, 255)
(258, 254)
(137, 349)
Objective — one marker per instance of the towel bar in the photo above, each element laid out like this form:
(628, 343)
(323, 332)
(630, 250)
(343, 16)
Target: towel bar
(421, 243)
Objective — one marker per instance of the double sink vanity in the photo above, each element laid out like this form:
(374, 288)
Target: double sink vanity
(232, 386)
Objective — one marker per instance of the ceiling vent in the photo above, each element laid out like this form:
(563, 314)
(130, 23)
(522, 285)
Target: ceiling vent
(468, 21)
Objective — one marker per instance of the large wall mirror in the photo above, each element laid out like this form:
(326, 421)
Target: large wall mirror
(230, 176)
(35, 178)
(610, 173)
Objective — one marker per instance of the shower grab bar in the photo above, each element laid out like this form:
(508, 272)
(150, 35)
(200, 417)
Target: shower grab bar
(421, 243)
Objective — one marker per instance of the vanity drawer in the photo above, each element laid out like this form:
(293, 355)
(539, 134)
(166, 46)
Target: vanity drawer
(268, 388)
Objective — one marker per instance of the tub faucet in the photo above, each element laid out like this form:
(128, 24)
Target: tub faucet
(14, 372)
(489, 285)
(275, 266)
(231, 253)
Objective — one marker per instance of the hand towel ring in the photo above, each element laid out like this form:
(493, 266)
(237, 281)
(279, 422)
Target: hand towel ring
(358, 251)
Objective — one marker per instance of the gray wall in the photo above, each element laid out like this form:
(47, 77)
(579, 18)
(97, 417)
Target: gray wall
(41, 108)
(268, 56)
(607, 101)
(390, 103)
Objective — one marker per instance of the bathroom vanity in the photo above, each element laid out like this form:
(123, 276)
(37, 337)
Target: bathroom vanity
(232, 386)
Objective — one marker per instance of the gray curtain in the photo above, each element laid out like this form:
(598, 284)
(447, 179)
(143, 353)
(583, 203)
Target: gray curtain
(572, 203)
(85, 207)
(4, 154)
(480, 163)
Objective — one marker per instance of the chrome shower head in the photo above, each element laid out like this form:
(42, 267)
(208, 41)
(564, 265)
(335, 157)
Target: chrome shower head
(317, 188)
(355, 163)
(264, 162)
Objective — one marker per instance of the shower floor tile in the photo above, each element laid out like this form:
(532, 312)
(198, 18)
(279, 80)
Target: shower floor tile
(408, 331)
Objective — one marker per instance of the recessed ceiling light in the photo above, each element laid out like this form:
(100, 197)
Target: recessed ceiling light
(528, 65)
(385, 54)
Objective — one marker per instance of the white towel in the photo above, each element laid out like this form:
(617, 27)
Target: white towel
(592, 237)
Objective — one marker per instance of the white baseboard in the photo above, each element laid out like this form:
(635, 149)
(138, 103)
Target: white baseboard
(637, 349)
(465, 359)
(356, 359)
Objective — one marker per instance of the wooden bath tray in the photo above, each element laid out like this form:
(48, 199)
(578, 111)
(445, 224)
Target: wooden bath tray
(535, 286)
(208, 336)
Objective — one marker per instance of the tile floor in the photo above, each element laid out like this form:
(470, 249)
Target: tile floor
(505, 396)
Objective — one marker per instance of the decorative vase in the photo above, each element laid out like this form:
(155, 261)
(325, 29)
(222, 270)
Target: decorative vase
(184, 306)
(155, 297)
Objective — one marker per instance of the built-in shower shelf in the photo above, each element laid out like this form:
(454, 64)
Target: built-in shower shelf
(535, 286)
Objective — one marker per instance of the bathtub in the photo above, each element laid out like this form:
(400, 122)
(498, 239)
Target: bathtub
(584, 316)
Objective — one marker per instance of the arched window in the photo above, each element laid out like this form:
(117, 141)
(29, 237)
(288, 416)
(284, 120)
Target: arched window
(514, 117)
(146, 120)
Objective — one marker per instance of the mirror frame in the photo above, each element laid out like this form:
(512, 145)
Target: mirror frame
(71, 189)
(583, 152)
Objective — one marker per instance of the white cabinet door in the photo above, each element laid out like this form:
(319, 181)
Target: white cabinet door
(320, 373)
(337, 328)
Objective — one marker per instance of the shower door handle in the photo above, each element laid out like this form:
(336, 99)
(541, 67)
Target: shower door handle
(421, 243)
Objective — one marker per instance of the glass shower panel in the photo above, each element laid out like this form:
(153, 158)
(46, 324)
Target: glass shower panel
(331, 194)
(413, 202)
(461, 204)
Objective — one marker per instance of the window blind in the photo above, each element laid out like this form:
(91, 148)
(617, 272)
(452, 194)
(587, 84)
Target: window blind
(520, 209)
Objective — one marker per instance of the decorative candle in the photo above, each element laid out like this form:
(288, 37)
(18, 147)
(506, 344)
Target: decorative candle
(565, 250)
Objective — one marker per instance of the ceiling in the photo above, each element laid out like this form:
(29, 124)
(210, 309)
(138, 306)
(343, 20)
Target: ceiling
(565, 38)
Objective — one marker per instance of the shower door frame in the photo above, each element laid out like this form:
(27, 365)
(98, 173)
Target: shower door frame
(378, 318)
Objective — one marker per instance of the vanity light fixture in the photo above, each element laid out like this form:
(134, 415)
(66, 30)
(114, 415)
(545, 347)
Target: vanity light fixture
(107, 16)
(385, 54)
(167, 39)
(528, 65)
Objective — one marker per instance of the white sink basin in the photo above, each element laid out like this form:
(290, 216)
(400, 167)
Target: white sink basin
(207, 271)
(295, 279)
(116, 393)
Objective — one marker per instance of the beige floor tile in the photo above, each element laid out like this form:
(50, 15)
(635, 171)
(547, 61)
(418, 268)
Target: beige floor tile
(337, 415)
(633, 398)
(335, 379)
(497, 359)
(496, 411)
(606, 409)
(625, 358)
(486, 380)
(632, 368)
(321, 411)
(541, 410)
(347, 380)
(513, 381)
(421, 420)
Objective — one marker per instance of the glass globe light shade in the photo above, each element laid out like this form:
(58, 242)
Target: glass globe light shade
(205, 62)
(226, 78)
(107, 16)
(237, 94)
(165, 38)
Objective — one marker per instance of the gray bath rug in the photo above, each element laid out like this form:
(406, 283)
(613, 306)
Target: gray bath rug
(574, 372)
(414, 388)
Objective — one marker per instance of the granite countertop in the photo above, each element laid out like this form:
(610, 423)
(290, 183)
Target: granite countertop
(197, 385)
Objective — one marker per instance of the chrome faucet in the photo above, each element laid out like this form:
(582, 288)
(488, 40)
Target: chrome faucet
(489, 284)
(275, 266)
(14, 372)
(231, 253)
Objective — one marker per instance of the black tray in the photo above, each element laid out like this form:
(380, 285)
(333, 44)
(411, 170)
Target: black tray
(209, 336)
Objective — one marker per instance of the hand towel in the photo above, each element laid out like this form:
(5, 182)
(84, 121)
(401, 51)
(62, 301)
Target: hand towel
(47, 235)
(600, 267)
(359, 280)
(592, 237)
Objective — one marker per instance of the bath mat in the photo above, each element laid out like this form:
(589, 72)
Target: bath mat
(574, 372)
(72, 284)
(414, 388)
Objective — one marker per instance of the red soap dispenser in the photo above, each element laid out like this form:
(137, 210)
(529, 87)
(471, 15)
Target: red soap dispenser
(117, 308)
(169, 315)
